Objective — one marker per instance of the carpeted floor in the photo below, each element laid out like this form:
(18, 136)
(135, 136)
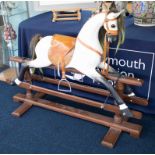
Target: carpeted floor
(44, 131)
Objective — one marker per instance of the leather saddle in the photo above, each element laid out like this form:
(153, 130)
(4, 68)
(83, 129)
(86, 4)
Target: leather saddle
(60, 54)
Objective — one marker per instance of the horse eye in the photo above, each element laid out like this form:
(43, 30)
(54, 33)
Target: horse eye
(113, 26)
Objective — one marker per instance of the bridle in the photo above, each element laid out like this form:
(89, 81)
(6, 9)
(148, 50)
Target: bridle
(106, 42)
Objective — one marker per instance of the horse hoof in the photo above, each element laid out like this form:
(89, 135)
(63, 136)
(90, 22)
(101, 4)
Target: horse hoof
(18, 82)
(131, 94)
(129, 91)
(126, 113)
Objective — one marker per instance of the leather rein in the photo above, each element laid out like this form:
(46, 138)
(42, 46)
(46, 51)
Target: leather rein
(106, 43)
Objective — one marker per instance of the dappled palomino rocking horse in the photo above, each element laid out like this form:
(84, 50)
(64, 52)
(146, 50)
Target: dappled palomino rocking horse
(83, 55)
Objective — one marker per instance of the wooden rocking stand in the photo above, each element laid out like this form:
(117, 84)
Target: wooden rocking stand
(117, 124)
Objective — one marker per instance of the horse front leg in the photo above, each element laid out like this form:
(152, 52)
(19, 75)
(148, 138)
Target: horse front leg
(122, 106)
(128, 90)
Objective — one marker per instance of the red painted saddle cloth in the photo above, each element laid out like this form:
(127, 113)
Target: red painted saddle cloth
(60, 52)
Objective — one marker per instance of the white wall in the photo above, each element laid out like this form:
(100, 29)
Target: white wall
(32, 12)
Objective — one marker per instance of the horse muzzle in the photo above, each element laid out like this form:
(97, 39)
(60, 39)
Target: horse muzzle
(112, 38)
(112, 32)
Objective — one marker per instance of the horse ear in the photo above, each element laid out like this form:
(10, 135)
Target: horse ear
(119, 13)
(112, 7)
(104, 6)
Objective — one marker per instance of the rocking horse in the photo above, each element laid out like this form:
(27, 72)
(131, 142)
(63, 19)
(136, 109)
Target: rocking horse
(82, 54)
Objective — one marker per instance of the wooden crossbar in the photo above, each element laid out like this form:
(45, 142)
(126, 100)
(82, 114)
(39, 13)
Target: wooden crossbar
(132, 99)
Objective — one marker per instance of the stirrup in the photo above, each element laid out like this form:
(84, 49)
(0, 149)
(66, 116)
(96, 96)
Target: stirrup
(64, 90)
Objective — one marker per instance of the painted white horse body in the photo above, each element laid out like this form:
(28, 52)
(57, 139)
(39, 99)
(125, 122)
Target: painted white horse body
(88, 59)
(84, 59)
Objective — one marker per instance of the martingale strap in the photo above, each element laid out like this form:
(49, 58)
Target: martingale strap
(104, 55)
(105, 51)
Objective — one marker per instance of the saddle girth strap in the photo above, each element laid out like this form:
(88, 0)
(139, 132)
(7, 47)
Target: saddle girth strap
(63, 70)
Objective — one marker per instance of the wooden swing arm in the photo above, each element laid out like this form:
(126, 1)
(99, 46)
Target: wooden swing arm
(125, 80)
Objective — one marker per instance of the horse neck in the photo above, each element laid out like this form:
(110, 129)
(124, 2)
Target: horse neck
(90, 30)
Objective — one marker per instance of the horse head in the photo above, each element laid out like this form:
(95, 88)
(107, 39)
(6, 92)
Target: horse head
(111, 23)
(113, 28)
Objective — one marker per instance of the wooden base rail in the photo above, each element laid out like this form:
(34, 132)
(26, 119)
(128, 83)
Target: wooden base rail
(116, 124)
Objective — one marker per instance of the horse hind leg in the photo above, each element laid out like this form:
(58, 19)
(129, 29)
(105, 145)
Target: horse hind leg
(37, 63)
(22, 71)
(93, 74)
